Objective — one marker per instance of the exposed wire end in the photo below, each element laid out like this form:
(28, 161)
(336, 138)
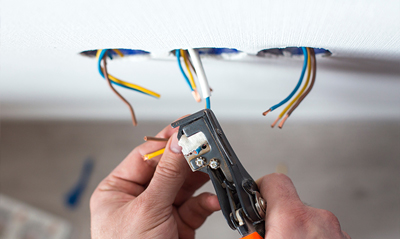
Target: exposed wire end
(116, 92)
(196, 95)
(151, 138)
(154, 154)
(283, 121)
(276, 121)
(266, 112)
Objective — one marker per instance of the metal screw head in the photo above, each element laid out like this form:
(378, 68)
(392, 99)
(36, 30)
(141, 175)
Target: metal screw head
(262, 204)
(200, 162)
(214, 163)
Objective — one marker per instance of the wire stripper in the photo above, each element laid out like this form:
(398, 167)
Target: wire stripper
(206, 149)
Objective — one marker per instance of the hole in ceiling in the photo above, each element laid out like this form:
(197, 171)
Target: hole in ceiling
(125, 52)
(290, 51)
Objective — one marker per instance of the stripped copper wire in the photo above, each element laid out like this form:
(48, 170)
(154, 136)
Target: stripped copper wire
(276, 121)
(314, 72)
(266, 112)
(116, 92)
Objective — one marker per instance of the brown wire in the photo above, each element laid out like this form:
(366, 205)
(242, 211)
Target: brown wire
(116, 92)
(189, 60)
(151, 138)
(314, 72)
(314, 66)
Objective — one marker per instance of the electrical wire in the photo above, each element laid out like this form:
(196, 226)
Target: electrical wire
(195, 93)
(151, 138)
(178, 58)
(154, 154)
(208, 103)
(191, 64)
(116, 92)
(100, 54)
(118, 52)
(193, 84)
(297, 86)
(301, 91)
(201, 75)
(314, 73)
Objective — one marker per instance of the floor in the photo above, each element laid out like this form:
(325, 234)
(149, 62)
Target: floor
(349, 168)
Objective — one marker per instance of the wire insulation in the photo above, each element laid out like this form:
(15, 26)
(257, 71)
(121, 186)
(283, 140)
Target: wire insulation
(118, 52)
(116, 92)
(151, 138)
(154, 154)
(178, 58)
(208, 103)
(100, 54)
(185, 59)
(314, 73)
(201, 75)
(301, 91)
(297, 86)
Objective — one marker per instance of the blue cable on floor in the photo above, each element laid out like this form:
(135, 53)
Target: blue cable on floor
(73, 197)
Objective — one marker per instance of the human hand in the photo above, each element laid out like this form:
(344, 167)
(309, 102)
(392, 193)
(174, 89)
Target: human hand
(151, 199)
(288, 217)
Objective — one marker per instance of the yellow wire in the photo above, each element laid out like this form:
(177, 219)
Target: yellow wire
(186, 60)
(302, 89)
(154, 154)
(98, 53)
(137, 87)
(118, 52)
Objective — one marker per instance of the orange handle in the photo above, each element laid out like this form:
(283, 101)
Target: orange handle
(253, 235)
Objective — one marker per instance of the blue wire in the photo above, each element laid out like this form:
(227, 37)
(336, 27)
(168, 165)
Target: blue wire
(298, 84)
(178, 57)
(208, 104)
(102, 53)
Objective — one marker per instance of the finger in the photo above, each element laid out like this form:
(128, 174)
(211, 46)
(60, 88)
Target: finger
(278, 190)
(196, 210)
(134, 169)
(346, 236)
(169, 175)
(126, 181)
(184, 230)
(193, 182)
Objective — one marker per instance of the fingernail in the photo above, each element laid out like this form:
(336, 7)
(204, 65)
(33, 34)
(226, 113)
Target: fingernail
(174, 144)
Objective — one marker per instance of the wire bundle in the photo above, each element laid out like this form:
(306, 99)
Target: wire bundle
(193, 64)
(310, 65)
(101, 56)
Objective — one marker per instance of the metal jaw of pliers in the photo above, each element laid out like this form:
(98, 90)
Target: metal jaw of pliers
(206, 149)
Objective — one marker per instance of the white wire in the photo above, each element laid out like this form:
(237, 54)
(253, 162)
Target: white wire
(201, 75)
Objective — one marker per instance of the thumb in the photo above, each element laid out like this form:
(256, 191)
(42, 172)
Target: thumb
(169, 175)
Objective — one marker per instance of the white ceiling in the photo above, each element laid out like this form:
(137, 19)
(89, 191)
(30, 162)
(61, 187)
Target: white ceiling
(43, 77)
